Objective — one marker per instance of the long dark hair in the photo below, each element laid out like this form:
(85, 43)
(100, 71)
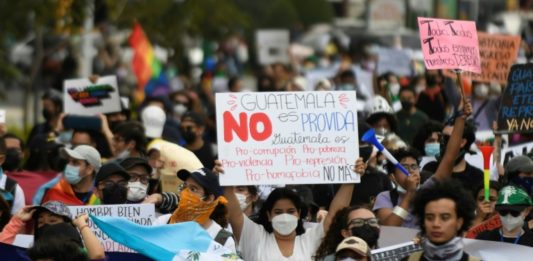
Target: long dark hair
(334, 237)
(268, 205)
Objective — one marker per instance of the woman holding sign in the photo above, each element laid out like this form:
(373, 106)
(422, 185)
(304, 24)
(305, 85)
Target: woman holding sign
(280, 235)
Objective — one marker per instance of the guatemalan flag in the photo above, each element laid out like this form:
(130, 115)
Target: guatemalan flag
(186, 241)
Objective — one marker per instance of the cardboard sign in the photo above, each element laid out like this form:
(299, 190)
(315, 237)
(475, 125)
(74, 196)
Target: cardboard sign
(498, 53)
(2, 116)
(82, 97)
(142, 214)
(511, 152)
(272, 46)
(516, 107)
(449, 44)
(287, 137)
(394, 60)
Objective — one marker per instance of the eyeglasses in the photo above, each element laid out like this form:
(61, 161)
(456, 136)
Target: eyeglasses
(505, 212)
(412, 167)
(359, 222)
(109, 184)
(142, 179)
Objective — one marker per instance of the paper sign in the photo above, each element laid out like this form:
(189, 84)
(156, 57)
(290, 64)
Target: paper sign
(82, 97)
(516, 107)
(142, 214)
(2, 116)
(272, 46)
(449, 44)
(498, 53)
(394, 60)
(287, 137)
(511, 152)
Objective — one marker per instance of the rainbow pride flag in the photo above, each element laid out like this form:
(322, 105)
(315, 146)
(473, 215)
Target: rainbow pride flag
(146, 67)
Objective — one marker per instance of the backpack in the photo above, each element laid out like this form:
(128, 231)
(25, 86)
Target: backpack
(8, 192)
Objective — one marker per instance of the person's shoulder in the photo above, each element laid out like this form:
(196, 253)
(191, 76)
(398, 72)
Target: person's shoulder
(488, 235)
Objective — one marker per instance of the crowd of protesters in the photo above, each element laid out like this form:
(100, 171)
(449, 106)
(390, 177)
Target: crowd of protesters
(120, 160)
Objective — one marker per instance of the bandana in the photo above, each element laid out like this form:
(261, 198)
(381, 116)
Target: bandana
(451, 251)
(193, 208)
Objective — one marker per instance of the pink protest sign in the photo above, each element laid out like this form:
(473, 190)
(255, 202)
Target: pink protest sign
(449, 44)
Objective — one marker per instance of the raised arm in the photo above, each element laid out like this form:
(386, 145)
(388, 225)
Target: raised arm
(445, 168)
(343, 196)
(95, 250)
(235, 214)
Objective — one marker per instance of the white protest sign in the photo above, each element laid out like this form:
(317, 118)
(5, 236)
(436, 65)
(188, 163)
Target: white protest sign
(517, 150)
(394, 60)
(142, 214)
(287, 137)
(82, 97)
(2, 116)
(272, 46)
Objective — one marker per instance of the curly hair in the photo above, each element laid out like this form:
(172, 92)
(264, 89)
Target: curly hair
(333, 238)
(448, 189)
(268, 205)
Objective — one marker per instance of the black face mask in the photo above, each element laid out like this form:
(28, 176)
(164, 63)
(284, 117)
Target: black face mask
(407, 105)
(443, 143)
(12, 161)
(188, 136)
(47, 114)
(115, 195)
(368, 233)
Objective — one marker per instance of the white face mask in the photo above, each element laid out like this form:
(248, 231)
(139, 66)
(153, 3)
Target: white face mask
(179, 110)
(123, 154)
(136, 191)
(285, 223)
(509, 222)
(481, 91)
(395, 89)
(242, 201)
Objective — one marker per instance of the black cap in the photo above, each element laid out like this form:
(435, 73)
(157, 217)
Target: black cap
(194, 117)
(205, 177)
(131, 162)
(110, 169)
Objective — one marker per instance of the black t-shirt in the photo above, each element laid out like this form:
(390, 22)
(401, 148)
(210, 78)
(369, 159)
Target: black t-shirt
(470, 178)
(205, 155)
(494, 235)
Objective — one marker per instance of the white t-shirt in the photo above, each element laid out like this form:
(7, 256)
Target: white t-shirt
(256, 244)
(212, 231)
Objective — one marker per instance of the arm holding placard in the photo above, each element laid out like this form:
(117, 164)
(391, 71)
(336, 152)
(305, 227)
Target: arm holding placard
(343, 196)
(95, 250)
(453, 147)
(16, 225)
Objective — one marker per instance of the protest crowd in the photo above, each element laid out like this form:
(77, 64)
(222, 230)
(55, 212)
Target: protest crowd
(152, 174)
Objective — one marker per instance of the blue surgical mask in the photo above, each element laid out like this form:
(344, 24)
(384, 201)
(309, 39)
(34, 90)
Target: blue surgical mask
(346, 87)
(432, 149)
(72, 174)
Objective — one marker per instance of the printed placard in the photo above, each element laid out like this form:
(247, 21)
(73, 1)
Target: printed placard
(517, 150)
(82, 97)
(287, 137)
(394, 60)
(142, 214)
(449, 44)
(272, 46)
(516, 107)
(498, 53)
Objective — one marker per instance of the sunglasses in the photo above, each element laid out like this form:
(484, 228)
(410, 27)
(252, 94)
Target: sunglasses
(505, 212)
